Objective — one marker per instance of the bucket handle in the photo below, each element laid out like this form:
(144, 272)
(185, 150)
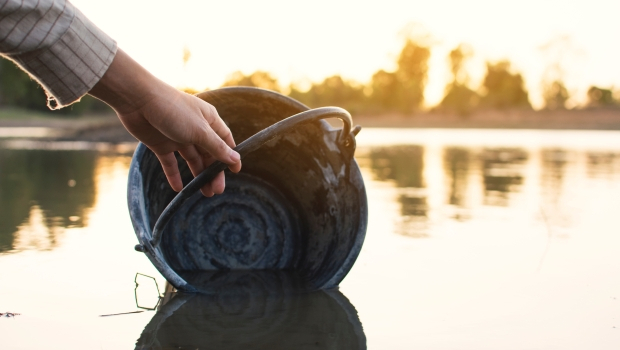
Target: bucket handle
(346, 139)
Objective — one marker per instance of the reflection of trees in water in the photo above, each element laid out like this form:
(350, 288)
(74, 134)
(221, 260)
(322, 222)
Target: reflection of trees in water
(456, 167)
(60, 184)
(603, 164)
(404, 165)
(502, 174)
(553, 169)
(413, 205)
(552, 173)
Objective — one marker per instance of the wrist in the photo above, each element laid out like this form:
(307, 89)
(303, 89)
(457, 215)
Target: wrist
(126, 86)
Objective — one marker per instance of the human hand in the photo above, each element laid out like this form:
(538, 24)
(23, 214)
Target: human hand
(167, 120)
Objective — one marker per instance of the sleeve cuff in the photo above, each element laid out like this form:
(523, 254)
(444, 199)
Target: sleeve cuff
(70, 67)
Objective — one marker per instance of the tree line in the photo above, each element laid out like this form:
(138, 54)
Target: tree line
(17, 89)
(402, 90)
(398, 91)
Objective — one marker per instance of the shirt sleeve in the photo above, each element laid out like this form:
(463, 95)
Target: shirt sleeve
(57, 45)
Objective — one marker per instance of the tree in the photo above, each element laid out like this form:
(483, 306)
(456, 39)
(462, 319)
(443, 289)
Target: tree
(503, 88)
(554, 91)
(402, 90)
(17, 89)
(385, 89)
(457, 59)
(555, 94)
(333, 91)
(258, 79)
(412, 74)
(459, 98)
(600, 97)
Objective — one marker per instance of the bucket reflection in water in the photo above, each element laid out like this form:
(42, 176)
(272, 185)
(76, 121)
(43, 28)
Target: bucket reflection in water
(253, 310)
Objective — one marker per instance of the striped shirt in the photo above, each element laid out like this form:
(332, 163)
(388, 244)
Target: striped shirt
(57, 45)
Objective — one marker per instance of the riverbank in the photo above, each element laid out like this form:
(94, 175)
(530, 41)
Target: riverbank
(16, 123)
(578, 119)
(20, 124)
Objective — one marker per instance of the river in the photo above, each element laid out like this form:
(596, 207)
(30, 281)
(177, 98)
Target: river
(477, 239)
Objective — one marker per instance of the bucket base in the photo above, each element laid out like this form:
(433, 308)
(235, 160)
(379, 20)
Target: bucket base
(251, 226)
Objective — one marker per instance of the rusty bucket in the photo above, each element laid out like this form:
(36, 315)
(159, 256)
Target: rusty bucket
(298, 205)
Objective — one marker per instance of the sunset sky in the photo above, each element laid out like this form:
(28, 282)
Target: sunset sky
(308, 41)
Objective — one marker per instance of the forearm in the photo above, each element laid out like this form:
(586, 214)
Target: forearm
(126, 85)
(70, 57)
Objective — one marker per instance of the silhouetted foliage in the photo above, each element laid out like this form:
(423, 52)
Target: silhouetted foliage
(555, 95)
(503, 88)
(554, 91)
(257, 79)
(601, 97)
(402, 90)
(17, 89)
(333, 91)
(457, 58)
(459, 98)
(385, 87)
(399, 91)
(412, 74)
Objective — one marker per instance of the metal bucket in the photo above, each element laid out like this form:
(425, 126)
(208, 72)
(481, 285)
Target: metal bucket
(299, 203)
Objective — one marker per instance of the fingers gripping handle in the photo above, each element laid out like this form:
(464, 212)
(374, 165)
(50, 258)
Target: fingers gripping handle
(246, 147)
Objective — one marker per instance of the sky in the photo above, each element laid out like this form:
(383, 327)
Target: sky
(302, 42)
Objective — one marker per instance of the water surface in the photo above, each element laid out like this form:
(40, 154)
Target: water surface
(477, 239)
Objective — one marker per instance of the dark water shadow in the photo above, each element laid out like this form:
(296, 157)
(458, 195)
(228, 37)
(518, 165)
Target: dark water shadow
(254, 310)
